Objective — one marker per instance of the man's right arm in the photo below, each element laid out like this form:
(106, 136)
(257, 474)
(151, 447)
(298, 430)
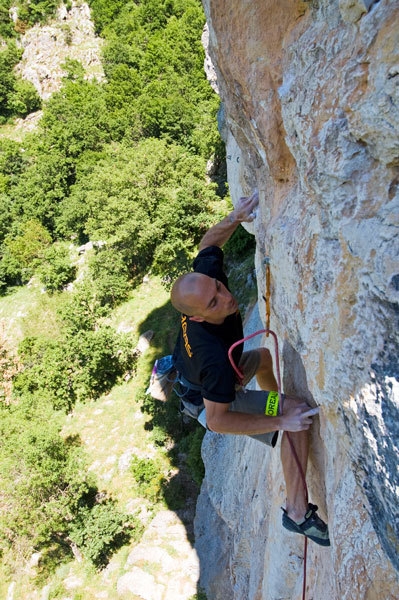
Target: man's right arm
(297, 416)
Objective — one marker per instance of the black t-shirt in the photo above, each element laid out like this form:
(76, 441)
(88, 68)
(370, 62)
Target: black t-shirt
(201, 352)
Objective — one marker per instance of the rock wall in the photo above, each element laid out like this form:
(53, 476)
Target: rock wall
(310, 94)
(46, 47)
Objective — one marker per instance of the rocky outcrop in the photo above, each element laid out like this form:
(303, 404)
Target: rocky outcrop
(310, 94)
(46, 47)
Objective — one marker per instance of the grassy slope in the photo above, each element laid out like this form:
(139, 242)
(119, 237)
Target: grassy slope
(112, 428)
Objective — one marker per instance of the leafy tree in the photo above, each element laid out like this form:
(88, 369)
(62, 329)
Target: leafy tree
(23, 252)
(100, 530)
(110, 275)
(29, 246)
(56, 269)
(36, 11)
(12, 161)
(6, 24)
(49, 498)
(9, 57)
(76, 118)
(150, 202)
(23, 99)
(104, 12)
(43, 478)
(83, 310)
(78, 368)
(43, 184)
(17, 96)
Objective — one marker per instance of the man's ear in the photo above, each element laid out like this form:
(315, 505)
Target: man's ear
(196, 318)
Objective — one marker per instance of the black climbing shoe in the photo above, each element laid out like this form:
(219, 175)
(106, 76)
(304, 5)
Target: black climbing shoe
(313, 527)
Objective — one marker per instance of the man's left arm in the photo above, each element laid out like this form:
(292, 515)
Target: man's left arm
(220, 233)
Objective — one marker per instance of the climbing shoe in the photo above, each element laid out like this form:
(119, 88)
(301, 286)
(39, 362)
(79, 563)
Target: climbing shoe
(313, 527)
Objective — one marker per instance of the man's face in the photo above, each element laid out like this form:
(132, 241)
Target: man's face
(212, 300)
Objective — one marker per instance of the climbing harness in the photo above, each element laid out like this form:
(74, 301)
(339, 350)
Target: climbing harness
(267, 331)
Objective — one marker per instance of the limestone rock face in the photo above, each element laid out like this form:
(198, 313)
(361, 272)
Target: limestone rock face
(310, 94)
(70, 35)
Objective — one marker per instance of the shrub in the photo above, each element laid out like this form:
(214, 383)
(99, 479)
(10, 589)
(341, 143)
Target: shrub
(148, 476)
(83, 311)
(56, 269)
(24, 98)
(79, 368)
(102, 529)
(24, 251)
(110, 275)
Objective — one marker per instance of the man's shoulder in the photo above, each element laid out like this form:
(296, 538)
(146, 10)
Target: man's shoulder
(209, 261)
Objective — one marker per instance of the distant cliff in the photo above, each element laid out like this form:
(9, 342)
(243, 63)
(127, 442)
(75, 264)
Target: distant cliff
(310, 94)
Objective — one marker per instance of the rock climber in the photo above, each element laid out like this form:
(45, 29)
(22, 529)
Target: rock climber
(210, 324)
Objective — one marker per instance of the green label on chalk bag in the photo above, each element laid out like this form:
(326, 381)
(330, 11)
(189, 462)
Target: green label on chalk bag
(271, 408)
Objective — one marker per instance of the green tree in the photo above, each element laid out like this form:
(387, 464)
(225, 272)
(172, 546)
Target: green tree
(110, 276)
(56, 270)
(100, 530)
(76, 118)
(9, 57)
(49, 498)
(23, 99)
(105, 12)
(36, 11)
(79, 367)
(150, 202)
(83, 310)
(23, 252)
(6, 24)
(43, 477)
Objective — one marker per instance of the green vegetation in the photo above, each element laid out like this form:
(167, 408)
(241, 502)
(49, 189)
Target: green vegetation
(120, 164)
(17, 96)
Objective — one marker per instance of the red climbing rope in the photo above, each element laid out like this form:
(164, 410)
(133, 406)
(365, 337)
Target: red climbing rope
(280, 408)
(268, 332)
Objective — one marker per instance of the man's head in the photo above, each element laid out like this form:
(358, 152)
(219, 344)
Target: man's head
(203, 298)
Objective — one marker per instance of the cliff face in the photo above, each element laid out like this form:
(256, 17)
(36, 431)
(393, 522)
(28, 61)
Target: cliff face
(310, 94)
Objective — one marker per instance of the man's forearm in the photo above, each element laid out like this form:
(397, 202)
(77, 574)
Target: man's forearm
(244, 423)
(220, 233)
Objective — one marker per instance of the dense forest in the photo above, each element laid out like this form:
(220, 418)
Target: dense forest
(122, 164)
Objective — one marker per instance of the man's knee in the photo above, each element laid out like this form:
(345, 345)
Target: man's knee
(266, 361)
(293, 401)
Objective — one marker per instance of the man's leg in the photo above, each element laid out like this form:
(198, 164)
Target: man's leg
(296, 496)
(299, 516)
(296, 505)
(264, 373)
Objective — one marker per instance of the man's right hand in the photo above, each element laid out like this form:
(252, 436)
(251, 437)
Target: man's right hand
(297, 414)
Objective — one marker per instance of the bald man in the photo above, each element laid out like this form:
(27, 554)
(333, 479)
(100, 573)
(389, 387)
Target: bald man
(210, 324)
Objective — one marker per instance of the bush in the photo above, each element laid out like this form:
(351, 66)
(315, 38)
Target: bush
(100, 530)
(110, 276)
(83, 311)
(43, 478)
(148, 476)
(24, 98)
(78, 368)
(56, 269)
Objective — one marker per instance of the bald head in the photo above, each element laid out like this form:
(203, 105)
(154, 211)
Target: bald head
(187, 291)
